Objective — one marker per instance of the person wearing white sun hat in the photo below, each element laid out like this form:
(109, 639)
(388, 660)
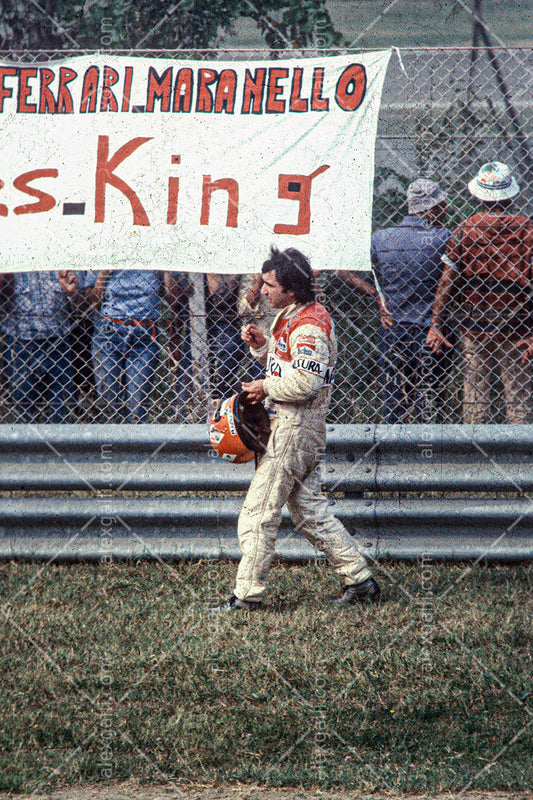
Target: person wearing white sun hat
(494, 183)
(488, 273)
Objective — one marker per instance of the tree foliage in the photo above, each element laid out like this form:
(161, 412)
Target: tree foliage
(156, 24)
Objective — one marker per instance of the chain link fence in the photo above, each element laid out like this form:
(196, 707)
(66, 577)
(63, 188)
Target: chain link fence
(144, 347)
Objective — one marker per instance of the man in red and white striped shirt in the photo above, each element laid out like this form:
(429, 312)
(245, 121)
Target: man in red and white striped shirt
(488, 273)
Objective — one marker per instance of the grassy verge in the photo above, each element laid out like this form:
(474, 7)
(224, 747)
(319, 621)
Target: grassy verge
(118, 671)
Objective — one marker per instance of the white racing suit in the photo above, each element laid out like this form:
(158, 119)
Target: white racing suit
(300, 362)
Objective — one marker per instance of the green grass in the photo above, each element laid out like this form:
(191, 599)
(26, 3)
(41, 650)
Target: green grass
(119, 671)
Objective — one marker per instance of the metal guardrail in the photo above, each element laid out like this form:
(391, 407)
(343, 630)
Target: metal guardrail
(406, 491)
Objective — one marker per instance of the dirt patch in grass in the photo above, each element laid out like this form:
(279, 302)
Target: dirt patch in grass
(131, 791)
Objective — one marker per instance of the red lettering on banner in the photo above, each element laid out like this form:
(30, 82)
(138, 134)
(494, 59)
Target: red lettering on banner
(351, 87)
(89, 90)
(47, 101)
(232, 188)
(183, 90)
(104, 175)
(273, 105)
(24, 91)
(172, 208)
(204, 102)
(298, 187)
(5, 91)
(64, 98)
(45, 201)
(318, 103)
(109, 101)
(225, 95)
(297, 103)
(159, 88)
(126, 92)
(254, 87)
(3, 208)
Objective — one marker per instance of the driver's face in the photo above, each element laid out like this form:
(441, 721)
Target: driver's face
(277, 296)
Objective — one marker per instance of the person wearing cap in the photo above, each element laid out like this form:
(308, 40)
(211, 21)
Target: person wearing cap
(487, 273)
(407, 263)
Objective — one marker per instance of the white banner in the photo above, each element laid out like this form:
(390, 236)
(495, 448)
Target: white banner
(140, 163)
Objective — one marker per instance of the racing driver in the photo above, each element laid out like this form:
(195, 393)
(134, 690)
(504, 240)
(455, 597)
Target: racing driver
(300, 361)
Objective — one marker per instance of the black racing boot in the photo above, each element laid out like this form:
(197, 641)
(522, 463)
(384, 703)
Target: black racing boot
(359, 593)
(235, 604)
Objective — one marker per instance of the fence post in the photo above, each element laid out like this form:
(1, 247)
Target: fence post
(200, 368)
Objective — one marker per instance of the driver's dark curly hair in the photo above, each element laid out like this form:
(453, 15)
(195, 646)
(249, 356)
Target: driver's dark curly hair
(293, 273)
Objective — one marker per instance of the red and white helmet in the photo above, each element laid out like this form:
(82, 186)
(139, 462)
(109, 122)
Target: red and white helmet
(239, 429)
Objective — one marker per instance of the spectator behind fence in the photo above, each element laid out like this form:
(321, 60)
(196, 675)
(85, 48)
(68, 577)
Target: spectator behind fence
(180, 347)
(38, 352)
(354, 280)
(488, 273)
(125, 350)
(81, 334)
(226, 348)
(407, 259)
(254, 308)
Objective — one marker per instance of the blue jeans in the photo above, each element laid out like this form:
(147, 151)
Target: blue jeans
(125, 358)
(226, 351)
(39, 372)
(413, 377)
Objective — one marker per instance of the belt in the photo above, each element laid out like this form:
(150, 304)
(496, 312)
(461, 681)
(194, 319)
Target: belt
(143, 323)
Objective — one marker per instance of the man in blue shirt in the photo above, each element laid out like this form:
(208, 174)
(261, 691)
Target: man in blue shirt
(38, 351)
(407, 260)
(125, 350)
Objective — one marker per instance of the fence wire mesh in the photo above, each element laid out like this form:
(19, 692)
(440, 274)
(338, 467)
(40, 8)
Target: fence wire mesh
(147, 347)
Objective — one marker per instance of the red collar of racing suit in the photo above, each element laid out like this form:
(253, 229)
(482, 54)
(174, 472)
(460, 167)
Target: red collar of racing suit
(293, 316)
